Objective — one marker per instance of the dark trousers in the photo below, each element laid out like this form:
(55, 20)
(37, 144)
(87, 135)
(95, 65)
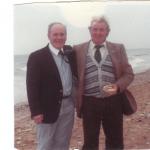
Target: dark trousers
(108, 113)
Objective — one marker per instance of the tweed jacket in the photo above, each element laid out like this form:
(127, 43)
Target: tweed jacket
(123, 70)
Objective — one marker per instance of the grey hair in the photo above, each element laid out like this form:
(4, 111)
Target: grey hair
(100, 19)
(55, 23)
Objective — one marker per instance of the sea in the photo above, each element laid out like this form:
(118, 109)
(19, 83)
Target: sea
(138, 58)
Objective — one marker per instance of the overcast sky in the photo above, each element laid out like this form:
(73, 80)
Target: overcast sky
(129, 22)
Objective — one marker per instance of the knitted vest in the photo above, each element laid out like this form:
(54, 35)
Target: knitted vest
(98, 75)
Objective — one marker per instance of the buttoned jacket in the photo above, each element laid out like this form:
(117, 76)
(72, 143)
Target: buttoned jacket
(44, 85)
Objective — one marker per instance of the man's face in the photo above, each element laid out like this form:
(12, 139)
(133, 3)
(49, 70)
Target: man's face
(99, 32)
(57, 36)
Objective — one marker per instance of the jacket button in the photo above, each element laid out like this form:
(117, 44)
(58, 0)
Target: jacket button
(60, 90)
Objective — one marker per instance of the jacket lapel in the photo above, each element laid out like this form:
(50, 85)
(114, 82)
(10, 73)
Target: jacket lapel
(81, 61)
(51, 64)
(114, 57)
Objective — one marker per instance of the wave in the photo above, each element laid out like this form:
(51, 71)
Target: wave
(139, 64)
(135, 61)
(23, 68)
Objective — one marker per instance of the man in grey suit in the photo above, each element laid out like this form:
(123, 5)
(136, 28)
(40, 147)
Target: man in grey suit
(103, 74)
(49, 88)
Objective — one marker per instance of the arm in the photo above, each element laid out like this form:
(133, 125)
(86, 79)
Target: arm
(127, 74)
(33, 86)
(79, 93)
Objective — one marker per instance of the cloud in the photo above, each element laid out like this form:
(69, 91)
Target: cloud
(80, 14)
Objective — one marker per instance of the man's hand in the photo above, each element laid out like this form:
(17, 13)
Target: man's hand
(111, 89)
(79, 112)
(79, 109)
(38, 119)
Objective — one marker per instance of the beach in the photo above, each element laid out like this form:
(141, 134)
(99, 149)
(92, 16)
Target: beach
(136, 126)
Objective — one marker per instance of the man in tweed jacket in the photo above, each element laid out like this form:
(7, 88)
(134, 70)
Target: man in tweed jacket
(100, 85)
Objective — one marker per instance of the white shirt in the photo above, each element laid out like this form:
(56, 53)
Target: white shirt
(92, 49)
(64, 70)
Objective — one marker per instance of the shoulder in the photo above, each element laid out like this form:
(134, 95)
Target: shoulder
(115, 47)
(38, 55)
(39, 52)
(81, 45)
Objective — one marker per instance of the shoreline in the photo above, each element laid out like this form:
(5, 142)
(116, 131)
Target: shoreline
(137, 76)
(25, 102)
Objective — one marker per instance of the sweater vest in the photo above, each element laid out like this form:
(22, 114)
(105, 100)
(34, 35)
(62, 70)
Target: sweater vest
(98, 75)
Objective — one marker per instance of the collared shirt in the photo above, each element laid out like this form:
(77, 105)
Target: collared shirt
(97, 75)
(53, 49)
(64, 70)
(92, 50)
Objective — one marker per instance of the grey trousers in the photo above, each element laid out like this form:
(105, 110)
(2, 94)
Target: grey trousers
(57, 136)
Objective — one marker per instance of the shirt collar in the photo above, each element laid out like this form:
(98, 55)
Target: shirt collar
(53, 49)
(92, 45)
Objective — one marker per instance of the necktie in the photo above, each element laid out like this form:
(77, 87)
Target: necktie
(63, 56)
(61, 53)
(97, 54)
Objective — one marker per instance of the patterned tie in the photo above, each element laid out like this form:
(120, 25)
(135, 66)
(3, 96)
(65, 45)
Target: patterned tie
(61, 53)
(63, 56)
(97, 54)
